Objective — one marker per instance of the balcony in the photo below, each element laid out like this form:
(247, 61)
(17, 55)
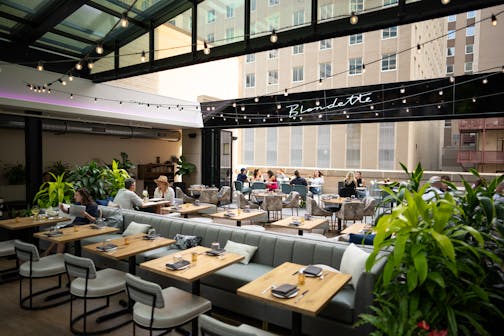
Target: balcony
(481, 124)
(480, 157)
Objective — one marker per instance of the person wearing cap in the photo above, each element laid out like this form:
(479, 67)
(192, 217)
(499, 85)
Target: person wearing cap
(163, 189)
(436, 188)
(242, 177)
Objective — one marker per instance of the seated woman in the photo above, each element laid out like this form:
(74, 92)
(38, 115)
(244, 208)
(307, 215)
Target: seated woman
(360, 181)
(271, 183)
(163, 189)
(349, 185)
(316, 182)
(257, 176)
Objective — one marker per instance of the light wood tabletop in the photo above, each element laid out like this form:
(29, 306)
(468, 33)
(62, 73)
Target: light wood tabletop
(355, 228)
(318, 295)
(268, 194)
(186, 208)
(306, 225)
(238, 215)
(341, 200)
(204, 266)
(157, 204)
(69, 234)
(20, 223)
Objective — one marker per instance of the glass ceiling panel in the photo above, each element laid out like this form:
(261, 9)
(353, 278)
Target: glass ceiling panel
(6, 23)
(25, 8)
(174, 37)
(131, 52)
(64, 42)
(335, 9)
(221, 21)
(120, 6)
(13, 11)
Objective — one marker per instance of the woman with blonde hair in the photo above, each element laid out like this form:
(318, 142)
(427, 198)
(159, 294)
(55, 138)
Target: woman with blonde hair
(349, 185)
(163, 189)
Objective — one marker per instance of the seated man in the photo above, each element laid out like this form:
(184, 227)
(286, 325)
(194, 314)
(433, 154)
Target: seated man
(298, 179)
(126, 197)
(437, 187)
(242, 177)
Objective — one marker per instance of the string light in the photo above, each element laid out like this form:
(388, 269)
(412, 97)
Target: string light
(494, 20)
(90, 65)
(234, 104)
(279, 106)
(372, 107)
(404, 101)
(142, 58)
(243, 108)
(78, 66)
(418, 48)
(402, 90)
(407, 110)
(256, 99)
(70, 78)
(354, 18)
(445, 2)
(440, 92)
(376, 114)
(124, 20)
(281, 119)
(268, 115)
(273, 36)
(99, 49)
(40, 66)
(320, 116)
(452, 79)
(485, 80)
(286, 93)
(206, 49)
(474, 100)
(317, 102)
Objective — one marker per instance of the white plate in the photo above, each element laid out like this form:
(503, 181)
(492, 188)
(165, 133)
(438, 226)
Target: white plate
(285, 297)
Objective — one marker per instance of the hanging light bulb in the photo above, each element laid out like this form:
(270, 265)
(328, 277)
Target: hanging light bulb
(90, 65)
(494, 20)
(404, 101)
(363, 68)
(452, 79)
(243, 108)
(142, 58)
(40, 66)
(264, 120)
(407, 110)
(440, 92)
(474, 100)
(124, 20)
(70, 78)
(206, 49)
(256, 99)
(445, 2)
(213, 108)
(268, 115)
(281, 119)
(300, 118)
(99, 49)
(286, 93)
(402, 90)
(485, 81)
(320, 116)
(273, 36)
(71, 95)
(96, 100)
(376, 114)
(279, 106)
(320, 81)
(63, 82)
(317, 102)
(78, 66)
(348, 117)
(418, 48)
(234, 104)
(372, 107)
(354, 18)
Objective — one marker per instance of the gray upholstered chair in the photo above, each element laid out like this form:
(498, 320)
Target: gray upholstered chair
(180, 194)
(292, 202)
(212, 327)
(209, 196)
(286, 188)
(258, 186)
(90, 284)
(351, 211)
(35, 267)
(313, 209)
(224, 195)
(369, 207)
(163, 309)
(6, 251)
(243, 202)
(273, 203)
(240, 187)
(301, 189)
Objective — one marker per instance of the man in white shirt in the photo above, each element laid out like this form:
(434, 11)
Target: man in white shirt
(436, 188)
(126, 197)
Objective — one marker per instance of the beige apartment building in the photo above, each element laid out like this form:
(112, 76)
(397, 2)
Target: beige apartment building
(474, 143)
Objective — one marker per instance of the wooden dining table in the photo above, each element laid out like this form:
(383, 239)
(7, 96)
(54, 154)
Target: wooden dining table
(156, 204)
(238, 215)
(304, 225)
(186, 209)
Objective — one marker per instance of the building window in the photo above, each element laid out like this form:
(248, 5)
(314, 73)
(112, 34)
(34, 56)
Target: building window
(272, 77)
(250, 58)
(274, 22)
(326, 11)
(452, 18)
(272, 54)
(324, 146)
(297, 74)
(296, 148)
(386, 146)
(325, 70)
(469, 49)
(355, 39)
(298, 49)
(353, 146)
(210, 16)
(325, 44)
(298, 17)
(356, 5)
(451, 34)
(253, 5)
(250, 80)
(248, 146)
(210, 38)
(470, 31)
(229, 11)
(390, 32)
(471, 14)
(449, 68)
(271, 146)
(389, 62)
(389, 2)
(229, 34)
(355, 66)
(468, 67)
(450, 51)
(273, 2)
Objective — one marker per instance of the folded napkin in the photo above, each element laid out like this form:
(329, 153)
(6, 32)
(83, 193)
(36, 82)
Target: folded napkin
(53, 234)
(215, 252)
(178, 265)
(285, 290)
(107, 247)
(311, 270)
(151, 237)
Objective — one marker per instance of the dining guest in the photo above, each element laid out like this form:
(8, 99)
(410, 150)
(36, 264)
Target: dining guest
(126, 197)
(281, 177)
(163, 189)
(316, 182)
(298, 179)
(271, 183)
(436, 189)
(257, 177)
(360, 181)
(349, 185)
(242, 177)
(498, 197)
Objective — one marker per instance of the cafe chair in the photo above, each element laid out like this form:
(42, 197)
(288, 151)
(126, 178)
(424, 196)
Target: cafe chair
(90, 284)
(7, 251)
(347, 192)
(163, 309)
(301, 189)
(35, 267)
(258, 186)
(238, 185)
(224, 195)
(209, 196)
(213, 327)
(369, 207)
(313, 209)
(182, 195)
(286, 188)
(273, 203)
(350, 211)
(292, 202)
(243, 202)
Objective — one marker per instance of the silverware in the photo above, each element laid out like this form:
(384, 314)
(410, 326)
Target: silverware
(295, 272)
(268, 288)
(321, 277)
(302, 296)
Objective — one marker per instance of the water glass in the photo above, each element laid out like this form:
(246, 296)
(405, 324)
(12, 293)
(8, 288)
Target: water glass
(177, 258)
(215, 246)
(194, 257)
(301, 278)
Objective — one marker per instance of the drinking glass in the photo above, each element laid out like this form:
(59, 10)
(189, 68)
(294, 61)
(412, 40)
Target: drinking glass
(215, 246)
(177, 258)
(35, 212)
(126, 240)
(194, 257)
(301, 278)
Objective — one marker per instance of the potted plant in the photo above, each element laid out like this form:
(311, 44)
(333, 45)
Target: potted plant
(54, 192)
(15, 174)
(92, 177)
(124, 163)
(436, 280)
(115, 177)
(184, 168)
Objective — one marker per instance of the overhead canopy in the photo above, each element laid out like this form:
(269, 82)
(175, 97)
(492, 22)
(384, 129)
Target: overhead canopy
(61, 33)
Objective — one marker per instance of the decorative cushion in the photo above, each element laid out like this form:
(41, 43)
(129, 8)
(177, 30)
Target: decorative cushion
(184, 242)
(115, 219)
(247, 251)
(359, 238)
(353, 262)
(135, 228)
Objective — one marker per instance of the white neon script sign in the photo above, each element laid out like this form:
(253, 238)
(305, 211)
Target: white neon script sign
(361, 98)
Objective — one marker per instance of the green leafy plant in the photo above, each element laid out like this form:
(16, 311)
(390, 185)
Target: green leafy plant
(58, 168)
(54, 192)
(124, 163)
(184, 167)
(15, 174)
(92, 177)
(115, 177)
(436, 279)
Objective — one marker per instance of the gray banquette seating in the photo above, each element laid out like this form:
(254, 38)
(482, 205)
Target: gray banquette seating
(274, 249)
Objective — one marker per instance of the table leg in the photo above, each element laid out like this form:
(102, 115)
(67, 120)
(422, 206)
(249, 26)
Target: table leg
(238, 223)
(186, 215)
(296, 324)
(132, 265)
(300, 232)
(78, 248)
(196, 287)
(339, 224)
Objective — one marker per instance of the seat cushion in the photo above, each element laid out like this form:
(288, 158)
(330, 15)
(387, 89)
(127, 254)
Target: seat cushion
(254, 331)
(180, 308)
(341, 306)
(236, 275)
(45, 267)
(107, 282)
(7, 248)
